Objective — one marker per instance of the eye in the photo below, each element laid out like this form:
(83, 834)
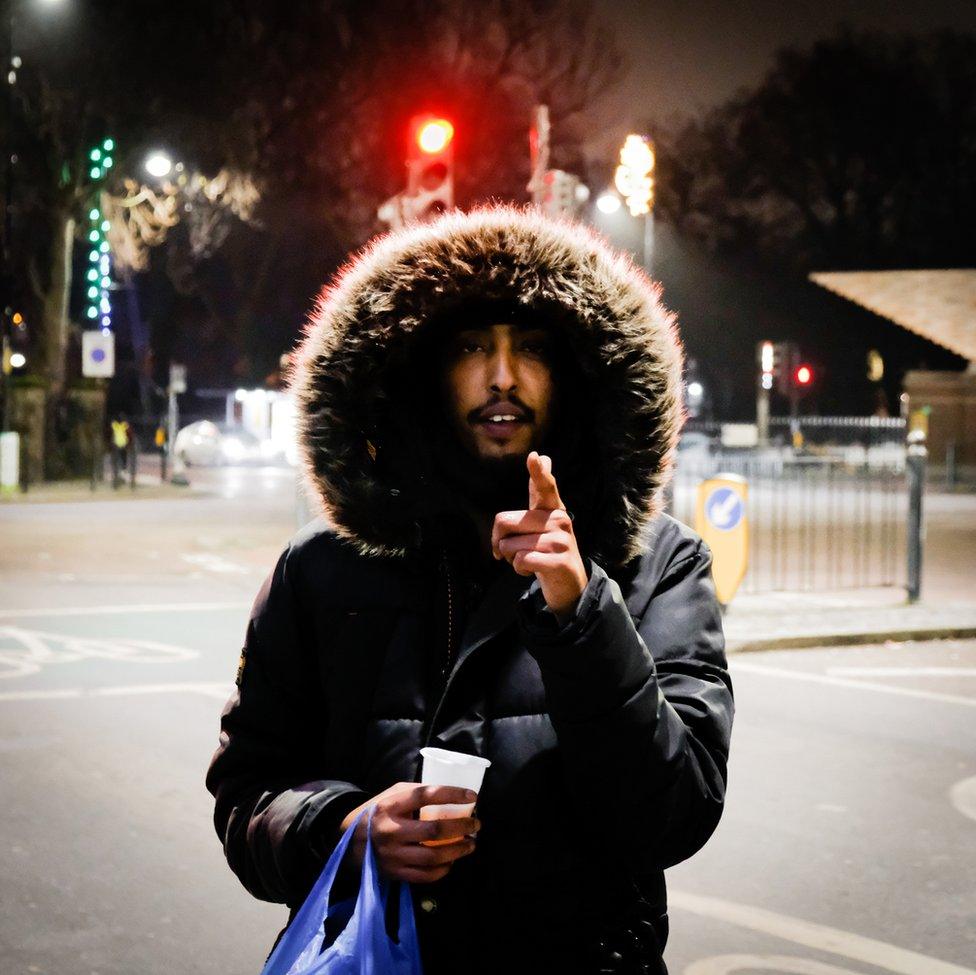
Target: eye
(469, 344)
(535, 347)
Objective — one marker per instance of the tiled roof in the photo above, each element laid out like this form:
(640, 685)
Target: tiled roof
(938, 305)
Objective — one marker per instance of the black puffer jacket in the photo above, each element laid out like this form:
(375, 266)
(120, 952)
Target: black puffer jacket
(608, 736)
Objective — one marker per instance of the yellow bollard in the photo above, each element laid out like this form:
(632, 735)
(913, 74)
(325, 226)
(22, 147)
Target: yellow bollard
(722, 521)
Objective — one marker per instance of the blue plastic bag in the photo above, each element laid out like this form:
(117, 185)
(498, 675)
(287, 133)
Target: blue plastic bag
(363, 947)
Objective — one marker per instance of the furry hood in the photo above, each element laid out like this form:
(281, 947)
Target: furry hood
(621, 338)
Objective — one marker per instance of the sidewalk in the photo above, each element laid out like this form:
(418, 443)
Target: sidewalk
(147, 487)
(791, 620)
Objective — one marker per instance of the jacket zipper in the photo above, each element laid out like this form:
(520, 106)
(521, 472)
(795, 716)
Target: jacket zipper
(450, 624)
(448, 659)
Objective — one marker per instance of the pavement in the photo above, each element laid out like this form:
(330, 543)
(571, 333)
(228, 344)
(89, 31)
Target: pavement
(793, 620)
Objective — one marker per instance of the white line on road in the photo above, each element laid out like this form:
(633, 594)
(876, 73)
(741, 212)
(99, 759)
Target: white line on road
(750, 668)
(963, 797)
(10, 614)
(779, 964)
(816, 936)
(215, 689)
(902, 671)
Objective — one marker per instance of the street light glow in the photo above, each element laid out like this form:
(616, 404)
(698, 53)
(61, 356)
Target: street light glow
(18, 360)
(695, 390)
(158, 164)
(633, 177)
(608, 202)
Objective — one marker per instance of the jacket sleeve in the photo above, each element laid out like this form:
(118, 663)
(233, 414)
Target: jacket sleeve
(276, 813)
(642, 713)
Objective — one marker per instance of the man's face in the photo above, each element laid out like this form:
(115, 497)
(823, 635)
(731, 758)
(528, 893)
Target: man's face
(500, 389)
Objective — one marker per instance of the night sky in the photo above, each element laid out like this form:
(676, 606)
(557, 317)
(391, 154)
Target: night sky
(687, 56)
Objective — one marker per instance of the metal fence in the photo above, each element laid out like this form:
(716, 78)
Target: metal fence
(830, 516)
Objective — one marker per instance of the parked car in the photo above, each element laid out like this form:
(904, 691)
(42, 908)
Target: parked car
(209, 444)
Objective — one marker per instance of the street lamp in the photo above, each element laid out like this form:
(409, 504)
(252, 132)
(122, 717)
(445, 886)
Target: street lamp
(608, 202)
(158, 164)
(634, 178)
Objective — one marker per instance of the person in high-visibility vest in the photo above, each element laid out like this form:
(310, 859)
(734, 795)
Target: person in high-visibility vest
(121, 437)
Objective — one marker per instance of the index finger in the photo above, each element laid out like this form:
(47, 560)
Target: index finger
(543, 492)
(432, 795)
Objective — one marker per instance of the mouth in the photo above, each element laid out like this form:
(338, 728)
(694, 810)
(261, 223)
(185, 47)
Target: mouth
(501, 421)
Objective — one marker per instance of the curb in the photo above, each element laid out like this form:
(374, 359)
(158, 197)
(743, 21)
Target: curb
(802, 641)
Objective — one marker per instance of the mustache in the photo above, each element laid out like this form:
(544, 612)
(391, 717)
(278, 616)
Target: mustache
(475, 415)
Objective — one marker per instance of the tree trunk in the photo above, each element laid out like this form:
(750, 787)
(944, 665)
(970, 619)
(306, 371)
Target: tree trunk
(55, 315)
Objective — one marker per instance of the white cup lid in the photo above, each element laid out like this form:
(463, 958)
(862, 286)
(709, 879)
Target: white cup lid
(453, 758)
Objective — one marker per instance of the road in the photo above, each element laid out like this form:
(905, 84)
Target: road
(848, 845)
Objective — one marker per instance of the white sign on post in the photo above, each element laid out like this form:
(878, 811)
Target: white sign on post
(9, 461)
(177, 378)
(98, 354)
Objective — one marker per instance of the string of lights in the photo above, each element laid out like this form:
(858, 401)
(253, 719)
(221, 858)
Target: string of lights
(99, 273)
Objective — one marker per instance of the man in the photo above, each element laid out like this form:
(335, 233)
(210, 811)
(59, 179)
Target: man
(489, 407)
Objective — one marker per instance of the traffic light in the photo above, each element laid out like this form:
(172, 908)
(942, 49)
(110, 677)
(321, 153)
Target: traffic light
(784, 359)
(430, 167)
(803, 378)
(562, 193)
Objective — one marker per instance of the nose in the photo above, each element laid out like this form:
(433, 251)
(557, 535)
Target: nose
(501, 371)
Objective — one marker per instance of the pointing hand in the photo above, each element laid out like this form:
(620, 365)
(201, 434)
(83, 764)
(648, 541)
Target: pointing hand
(540, 540)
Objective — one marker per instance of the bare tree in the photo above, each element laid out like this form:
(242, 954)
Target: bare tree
(856, 152)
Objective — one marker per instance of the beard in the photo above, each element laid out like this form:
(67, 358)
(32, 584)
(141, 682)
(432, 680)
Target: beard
(489, 484)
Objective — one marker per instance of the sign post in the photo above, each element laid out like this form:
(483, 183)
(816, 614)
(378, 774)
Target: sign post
(722, 522)
(177, 385)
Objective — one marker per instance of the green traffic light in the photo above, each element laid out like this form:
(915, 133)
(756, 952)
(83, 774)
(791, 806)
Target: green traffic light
(105, 225)
(92, 311)
(95, 155)
(94, 213)
(107, 162)
(95, 173)
(93, 236)
(93, 255)
(92, 274)
(108, 145)
(93, 292)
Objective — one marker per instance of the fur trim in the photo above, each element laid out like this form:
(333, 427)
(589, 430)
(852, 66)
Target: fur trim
(626, 341)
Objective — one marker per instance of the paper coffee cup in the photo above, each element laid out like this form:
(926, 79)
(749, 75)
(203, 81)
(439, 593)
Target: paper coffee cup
(442, 767)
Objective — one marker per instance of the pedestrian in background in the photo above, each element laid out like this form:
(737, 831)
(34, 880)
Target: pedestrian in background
(121, 445)
(489, 408)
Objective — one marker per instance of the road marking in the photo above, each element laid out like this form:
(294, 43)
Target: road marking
(13, 614)
(863, 685)
(781, 964)
(816, 936)
(963, 797)
(903, 671)
(216, 563)
(24, 652)
(215, 689)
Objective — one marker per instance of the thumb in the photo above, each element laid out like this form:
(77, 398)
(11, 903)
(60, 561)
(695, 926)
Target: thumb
(543, 492)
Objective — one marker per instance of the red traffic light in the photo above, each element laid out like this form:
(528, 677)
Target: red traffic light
(434, 135)
(803, 375)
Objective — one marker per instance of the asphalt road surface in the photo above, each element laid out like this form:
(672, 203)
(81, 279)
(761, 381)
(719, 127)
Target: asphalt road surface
(848, 844)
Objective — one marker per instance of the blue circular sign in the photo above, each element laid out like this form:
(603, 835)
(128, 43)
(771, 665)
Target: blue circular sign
(98, 354)
(724, 509)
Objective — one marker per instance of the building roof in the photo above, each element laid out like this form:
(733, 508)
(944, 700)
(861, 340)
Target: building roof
(938, 305)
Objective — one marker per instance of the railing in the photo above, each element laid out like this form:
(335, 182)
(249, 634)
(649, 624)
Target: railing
(822, 521)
